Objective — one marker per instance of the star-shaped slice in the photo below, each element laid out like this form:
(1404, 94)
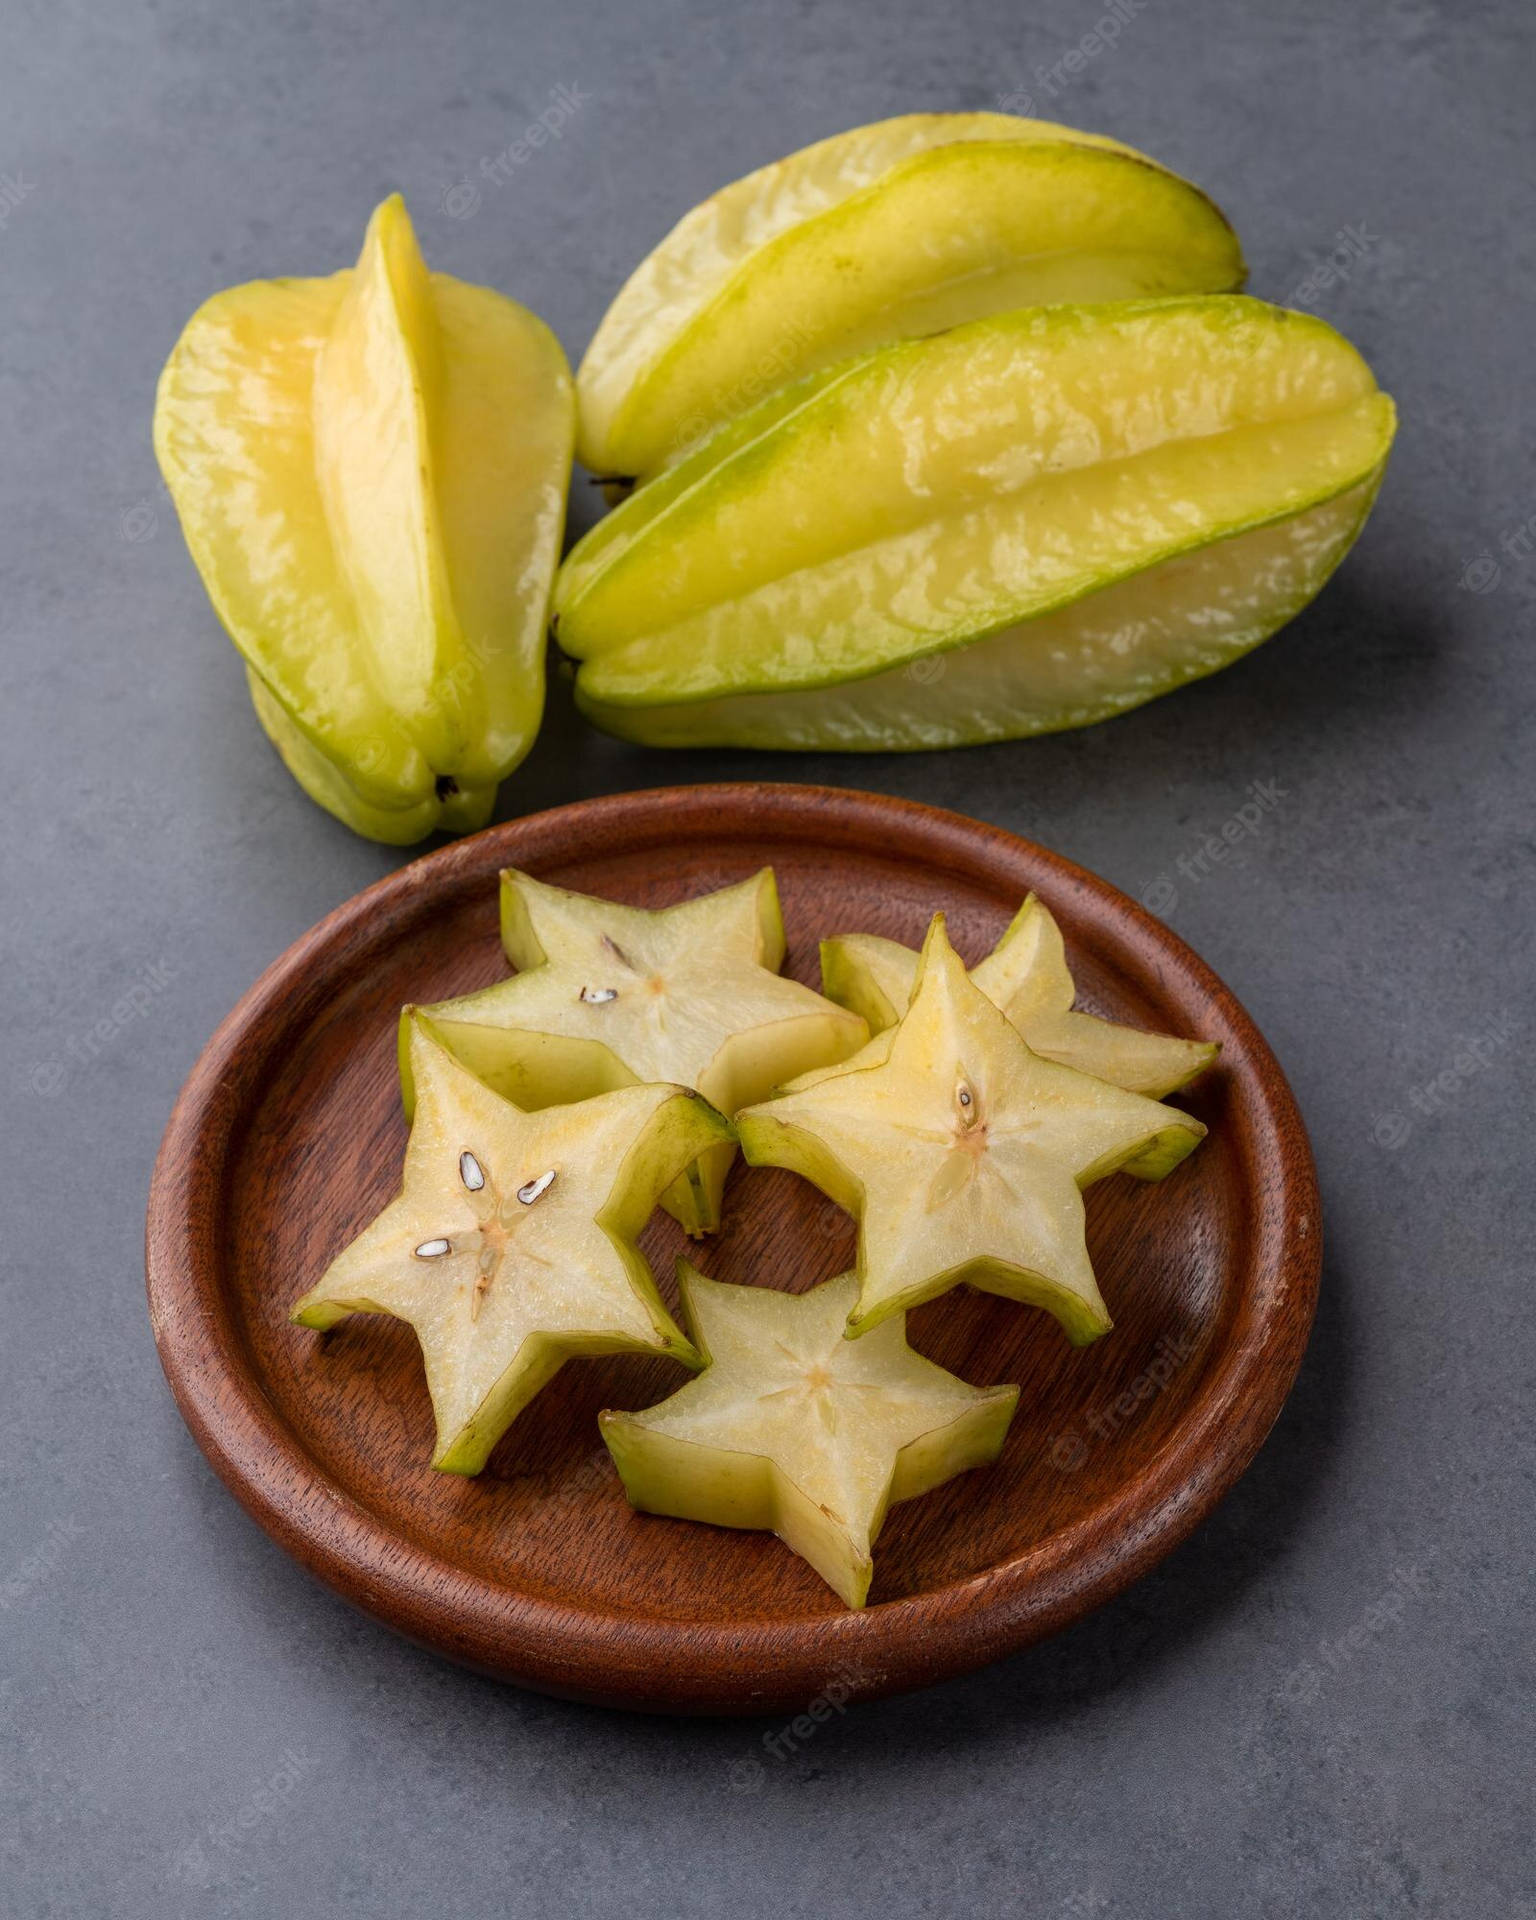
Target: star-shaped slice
(796, 1430)
(963, 1153)
(606, 995)
(511, 1247)
(1025, 975)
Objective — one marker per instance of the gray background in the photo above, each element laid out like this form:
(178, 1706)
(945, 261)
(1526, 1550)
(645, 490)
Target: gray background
(1322, 1703)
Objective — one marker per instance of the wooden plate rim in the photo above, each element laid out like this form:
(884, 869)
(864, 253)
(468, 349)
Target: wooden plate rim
(631, 1659)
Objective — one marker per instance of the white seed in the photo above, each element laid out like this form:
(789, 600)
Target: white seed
(599, 996)
(471, 1172)
(536, 1189)
(432, 1249)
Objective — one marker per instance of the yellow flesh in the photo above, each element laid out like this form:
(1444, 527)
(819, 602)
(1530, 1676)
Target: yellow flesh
(370, 471)
(967, 492)
(697, 1000)
(897, 229)
(947, 489)
(794, 1430)
(1027, 978)
(946, 1189)
(565, 1277)
(1100, 655)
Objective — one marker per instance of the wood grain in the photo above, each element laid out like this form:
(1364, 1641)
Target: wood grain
(287, 1139)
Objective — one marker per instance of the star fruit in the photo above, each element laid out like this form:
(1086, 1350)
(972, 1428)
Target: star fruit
(511, 1247)
(905, 227)
(606, 995)
(371, 471)
(1027, 523)
(793, 1429)
(963, 1154)
(1025, 975)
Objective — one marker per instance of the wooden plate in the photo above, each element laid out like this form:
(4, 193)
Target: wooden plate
(288, 1138)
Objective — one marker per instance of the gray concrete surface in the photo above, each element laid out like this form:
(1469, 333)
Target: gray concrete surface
(1322, 1704)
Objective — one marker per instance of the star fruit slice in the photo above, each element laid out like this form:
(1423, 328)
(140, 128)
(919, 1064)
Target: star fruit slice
(371, 471)
(1028, 523)
(606, 995)
(795, 1430)
(944, 216)
(963, 1154)
(1025, 975)
(511, 1248)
